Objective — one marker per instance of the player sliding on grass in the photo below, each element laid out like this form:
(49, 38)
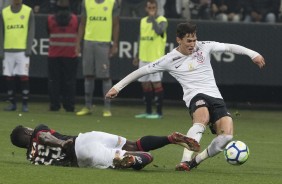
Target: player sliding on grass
(96, 149)
(190, 65)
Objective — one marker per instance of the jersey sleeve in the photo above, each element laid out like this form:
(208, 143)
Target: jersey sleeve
(159, 65)
(211, 46)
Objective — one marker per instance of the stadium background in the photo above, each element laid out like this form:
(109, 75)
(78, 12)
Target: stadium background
(240, 81)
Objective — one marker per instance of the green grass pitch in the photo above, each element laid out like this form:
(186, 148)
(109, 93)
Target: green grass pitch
(260, 130)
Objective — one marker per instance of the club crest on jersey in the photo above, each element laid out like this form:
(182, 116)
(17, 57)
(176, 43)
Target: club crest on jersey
(22, 17)
(200, 57)
(105, 8)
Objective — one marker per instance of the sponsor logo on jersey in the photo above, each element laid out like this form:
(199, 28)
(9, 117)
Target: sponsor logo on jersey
(157, 63)
(177, 66)
(97, 18)
(200, 102)
(16, 26)
(148, 38)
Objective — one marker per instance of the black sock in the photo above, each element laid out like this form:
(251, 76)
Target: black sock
(141, 160)
(159, 101)
(148, 143)
(148, 96)
(25, 90)
(11, 87)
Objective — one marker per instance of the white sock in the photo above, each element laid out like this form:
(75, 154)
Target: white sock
(202, 156)
(218, 144)
(195, 132)
(215, 147)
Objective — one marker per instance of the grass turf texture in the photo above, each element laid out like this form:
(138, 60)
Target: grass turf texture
(260, 130)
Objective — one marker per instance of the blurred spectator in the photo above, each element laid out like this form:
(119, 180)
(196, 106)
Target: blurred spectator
(186, 13)
(35, 5)
(226, 10)
(62, 57)
(4, 4)
(50, 6)
(261, 10)
(173, 8)
(75, 6)
(161, 4)
(200, 9)
(133, 8)
(280, 12)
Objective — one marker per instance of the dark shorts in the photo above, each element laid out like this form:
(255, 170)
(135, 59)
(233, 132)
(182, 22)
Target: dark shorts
(216, 106)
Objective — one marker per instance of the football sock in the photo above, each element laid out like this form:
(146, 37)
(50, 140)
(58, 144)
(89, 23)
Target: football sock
(107, 84)
(202, 156)
(218, 143)
(141, 160)
(25, 89)
(89, 89)
(11, 89)
(148, 96)
(159, 93)
(148, 143)
(195, 132)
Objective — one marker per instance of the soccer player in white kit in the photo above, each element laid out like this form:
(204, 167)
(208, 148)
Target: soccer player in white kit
(190, 65)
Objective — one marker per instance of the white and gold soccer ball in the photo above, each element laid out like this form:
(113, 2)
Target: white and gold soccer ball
(236, 152)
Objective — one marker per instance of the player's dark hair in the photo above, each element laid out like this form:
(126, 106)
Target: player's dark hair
(184, 28)
(152, 2)
(18, 136)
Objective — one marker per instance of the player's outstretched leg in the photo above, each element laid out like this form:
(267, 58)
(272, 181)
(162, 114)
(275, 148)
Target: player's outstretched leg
(187, 142)
(134, 160)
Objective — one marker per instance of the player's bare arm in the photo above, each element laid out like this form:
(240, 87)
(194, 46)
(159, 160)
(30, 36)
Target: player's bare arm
(48, 139)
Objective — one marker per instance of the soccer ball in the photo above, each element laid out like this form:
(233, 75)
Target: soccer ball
(236, 153)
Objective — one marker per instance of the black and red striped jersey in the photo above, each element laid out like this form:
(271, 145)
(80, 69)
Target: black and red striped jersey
(40, 154)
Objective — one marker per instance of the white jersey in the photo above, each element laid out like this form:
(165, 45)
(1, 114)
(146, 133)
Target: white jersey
(98, 149)
(194, 72)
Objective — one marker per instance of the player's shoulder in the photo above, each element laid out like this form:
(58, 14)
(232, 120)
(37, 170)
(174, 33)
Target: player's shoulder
(206, 44)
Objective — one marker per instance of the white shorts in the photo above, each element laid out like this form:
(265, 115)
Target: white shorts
(15, 63)
(154, 77)
(98, 149)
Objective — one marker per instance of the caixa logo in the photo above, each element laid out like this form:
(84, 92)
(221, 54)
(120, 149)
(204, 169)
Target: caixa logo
(224, 57)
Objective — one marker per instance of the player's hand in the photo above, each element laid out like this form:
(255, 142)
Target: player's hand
(259, 60)
(65, 144)
(77, 49)
(113, 50)
(135, 61)
(112, 93)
